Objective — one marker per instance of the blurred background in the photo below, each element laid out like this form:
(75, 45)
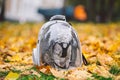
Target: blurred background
(78, 10)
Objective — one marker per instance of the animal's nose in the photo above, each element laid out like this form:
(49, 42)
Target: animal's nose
(64, 53)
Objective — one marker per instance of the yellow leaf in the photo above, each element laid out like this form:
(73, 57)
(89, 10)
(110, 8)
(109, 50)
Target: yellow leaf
(16, 57)
(12, 76)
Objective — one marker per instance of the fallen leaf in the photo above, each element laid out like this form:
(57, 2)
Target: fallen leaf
(12, 76)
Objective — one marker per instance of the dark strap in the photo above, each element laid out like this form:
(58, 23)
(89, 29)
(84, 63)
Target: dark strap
(84, 60)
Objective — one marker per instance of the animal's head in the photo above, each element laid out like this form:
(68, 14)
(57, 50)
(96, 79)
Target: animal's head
(62, 54)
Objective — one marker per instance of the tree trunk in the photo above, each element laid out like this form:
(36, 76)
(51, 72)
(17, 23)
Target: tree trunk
(110, 10)
(102, 12)
(91, 10)
(2, 10)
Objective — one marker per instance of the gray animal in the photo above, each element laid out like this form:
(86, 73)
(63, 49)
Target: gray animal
(58, 45)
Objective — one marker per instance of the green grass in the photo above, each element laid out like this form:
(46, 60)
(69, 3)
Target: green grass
(35, 77)
(3, 74)
(98, 77)
(115, 70)
(28, 77)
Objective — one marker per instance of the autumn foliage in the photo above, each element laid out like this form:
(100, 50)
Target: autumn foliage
(100, 45)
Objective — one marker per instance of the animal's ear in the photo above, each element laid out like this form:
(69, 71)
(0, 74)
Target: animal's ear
(69, 51)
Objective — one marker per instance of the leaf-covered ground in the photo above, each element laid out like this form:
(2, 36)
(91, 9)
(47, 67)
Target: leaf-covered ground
(100, 45)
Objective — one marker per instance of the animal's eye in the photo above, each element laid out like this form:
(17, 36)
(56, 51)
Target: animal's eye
(57, 49)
